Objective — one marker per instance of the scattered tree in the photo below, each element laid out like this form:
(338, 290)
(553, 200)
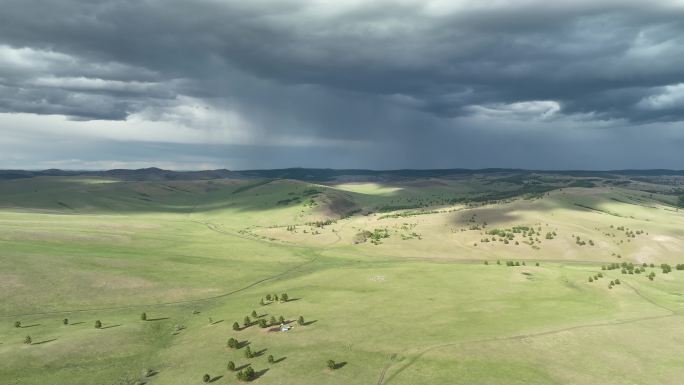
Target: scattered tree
(231, 366)
(262, 302)
(254, 314)
(270, 359)
(236, 326)
(331, 365)
(248, 353)
(591, 279)
(284, 297)
(143, 316)
(268, 297)
(281, 319)
(263, 323)
(65, 321)
(246, 375)
(17, 324)
(273, 320)
(98, 324)
(28, 340)
(206, 378)
(247, 321)
(300, 320)
(233, 343)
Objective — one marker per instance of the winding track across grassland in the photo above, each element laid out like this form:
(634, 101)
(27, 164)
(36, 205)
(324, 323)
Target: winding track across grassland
(383, 380)
(181, 302)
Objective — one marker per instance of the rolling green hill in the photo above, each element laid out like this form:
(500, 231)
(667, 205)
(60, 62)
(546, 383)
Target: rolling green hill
(404, 277)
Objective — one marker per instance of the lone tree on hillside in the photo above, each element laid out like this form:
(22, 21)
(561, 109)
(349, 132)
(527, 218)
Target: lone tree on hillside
(270, 359)
(284, 297)
(254, 314)
(65, 321)
(236, 326)
(17, 324)
(206, 378)
(143, 316)
(248, 353)
(247, 321)
(231, 366)
(98, 324)
(331, 365)
(300, 320)
(28, 340)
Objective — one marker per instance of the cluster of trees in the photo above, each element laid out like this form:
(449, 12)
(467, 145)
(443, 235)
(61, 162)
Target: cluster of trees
(613, 283)
(247, 374)
(274, 298)
(516, 263)
(666, 268)
(596, 277)
(233, 343)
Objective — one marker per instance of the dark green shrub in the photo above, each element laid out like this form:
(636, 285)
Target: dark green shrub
(143, 317)
(206, 378)
(284, 297)
(254, 314)
(263, 323)
(247, 321)
(28, 340)
(331, 365)
(236, 326)
(65, 321)
(271, 359)
(98, 324)
(231, 366)
(300, 320)
(17, 324)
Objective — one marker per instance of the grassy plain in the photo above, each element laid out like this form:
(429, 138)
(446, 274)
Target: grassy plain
(413, 302)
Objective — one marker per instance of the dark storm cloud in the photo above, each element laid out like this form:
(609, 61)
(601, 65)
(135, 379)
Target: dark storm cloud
(411, 74)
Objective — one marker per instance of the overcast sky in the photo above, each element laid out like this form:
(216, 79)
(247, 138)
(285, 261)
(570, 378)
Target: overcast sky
(582, 84)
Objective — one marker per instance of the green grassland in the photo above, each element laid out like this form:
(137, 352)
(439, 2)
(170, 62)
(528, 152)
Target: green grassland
(402, 281)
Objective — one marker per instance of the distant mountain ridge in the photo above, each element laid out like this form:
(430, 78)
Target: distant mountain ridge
(314, 174)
